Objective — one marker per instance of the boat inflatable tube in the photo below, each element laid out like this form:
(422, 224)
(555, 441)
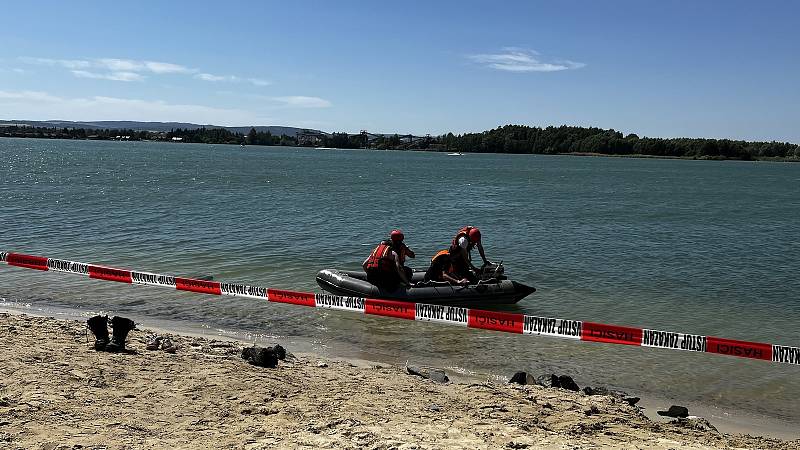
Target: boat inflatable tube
(355, 284)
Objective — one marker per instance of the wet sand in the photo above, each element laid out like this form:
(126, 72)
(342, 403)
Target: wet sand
(57, 392)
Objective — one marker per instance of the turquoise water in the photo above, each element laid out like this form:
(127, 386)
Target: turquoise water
(692, 246)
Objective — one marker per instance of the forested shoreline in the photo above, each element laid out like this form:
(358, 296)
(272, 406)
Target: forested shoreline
(516, 139)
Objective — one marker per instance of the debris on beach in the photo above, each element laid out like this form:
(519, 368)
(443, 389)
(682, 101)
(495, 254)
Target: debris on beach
(522, 378)
(436, 375)
(168, 346)
(153, 342)
(629, 399)
(558, 381)
(98, 325)
(156, 342)
(695, 423)
(675, 411)
(280, 352)
(264, 357)
(120, 327)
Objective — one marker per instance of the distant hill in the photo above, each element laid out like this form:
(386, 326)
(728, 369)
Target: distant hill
(150, 126)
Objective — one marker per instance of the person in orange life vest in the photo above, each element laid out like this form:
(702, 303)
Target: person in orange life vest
(460, 253)
(441, 269)
(384, 266)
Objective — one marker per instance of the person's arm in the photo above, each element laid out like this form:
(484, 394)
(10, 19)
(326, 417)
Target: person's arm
(464, 256)
(453, 280)
(409, 252)
(483, 255)
(400, 272)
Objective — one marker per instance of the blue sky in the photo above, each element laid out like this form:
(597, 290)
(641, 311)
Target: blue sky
(656, 68)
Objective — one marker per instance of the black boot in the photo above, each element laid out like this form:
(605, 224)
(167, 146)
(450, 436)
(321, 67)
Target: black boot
(99, 327)
(120, 327)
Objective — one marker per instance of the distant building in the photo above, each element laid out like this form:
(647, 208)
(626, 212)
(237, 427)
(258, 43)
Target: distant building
(309, 137)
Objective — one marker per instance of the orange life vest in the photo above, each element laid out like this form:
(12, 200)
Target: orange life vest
(464, 232)
(380, 258)
(443, 254)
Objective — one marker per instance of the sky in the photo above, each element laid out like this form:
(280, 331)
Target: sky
(719, 69)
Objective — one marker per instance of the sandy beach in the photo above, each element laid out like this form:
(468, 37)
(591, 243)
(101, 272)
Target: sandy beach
(58, 393)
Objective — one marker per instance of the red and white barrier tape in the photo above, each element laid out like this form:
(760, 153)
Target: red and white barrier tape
(451, 315)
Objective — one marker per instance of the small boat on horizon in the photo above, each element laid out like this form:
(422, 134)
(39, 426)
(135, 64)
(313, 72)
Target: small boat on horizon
(455, 154)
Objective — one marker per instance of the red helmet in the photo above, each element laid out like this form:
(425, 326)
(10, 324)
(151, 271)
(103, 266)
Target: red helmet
(397, 236)
(475, 235)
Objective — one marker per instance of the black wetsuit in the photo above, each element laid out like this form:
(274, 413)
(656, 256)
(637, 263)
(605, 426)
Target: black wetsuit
(462, 270)
(437, 269)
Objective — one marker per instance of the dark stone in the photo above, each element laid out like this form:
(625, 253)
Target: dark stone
(436, 375)
(675, 411)
(545, 380)
(248, 353)
(631, 400)
(522, 378)
(439, 376)
(588, 390)
(566, 382)
(262, 357)
(556, 381)
(414, 370)
(280, 352)
(266, 357)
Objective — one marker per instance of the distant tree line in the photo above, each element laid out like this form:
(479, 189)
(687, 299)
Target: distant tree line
(567, 139)
(71, 133)
(507, 139)
(199, 135)
(522, 139)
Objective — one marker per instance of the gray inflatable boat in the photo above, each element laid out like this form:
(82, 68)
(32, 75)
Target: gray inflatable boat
(495, 290)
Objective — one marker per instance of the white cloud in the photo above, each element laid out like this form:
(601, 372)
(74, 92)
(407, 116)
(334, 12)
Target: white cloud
(259, 82)
(33, 96)
(211, 77)
(115, 76)
(301, 101)
(162, 67)
(120, 65)
(118, 69)
(514, 59)
(130, 65)
(66, 63)
(43, 106)
(231, 78)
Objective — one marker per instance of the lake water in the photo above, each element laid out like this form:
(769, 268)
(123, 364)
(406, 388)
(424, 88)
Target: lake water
(691, 246)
